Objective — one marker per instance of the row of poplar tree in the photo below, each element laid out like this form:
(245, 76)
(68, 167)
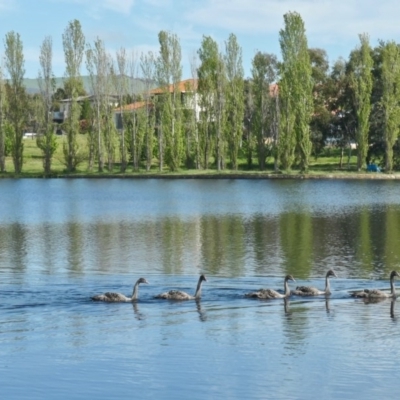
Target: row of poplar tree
(286, 110)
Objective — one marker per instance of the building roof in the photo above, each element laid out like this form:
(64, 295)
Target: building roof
(134, 106)
(188, 85)
(89, 97)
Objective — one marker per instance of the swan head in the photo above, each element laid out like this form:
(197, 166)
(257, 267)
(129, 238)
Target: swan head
(203, 278)
(289, 278)
(393, 274)
(142, 280)
(331, 272)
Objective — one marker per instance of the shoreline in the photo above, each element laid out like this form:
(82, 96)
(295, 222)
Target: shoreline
(227, 175)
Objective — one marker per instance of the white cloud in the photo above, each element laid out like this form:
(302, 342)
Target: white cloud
(330, 24)
(97, 6)
(6, 5)
(122, 6)
(330, 18)
(159, 3)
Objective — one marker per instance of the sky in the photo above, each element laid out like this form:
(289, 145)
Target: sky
(134, 25)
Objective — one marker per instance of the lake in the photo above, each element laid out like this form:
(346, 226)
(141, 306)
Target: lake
(63, 241)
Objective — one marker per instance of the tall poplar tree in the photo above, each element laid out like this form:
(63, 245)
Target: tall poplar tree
(264, 73)
(17, 99)
(390, 98)
(97, 66)
(341, 107)
(234, 98)
(169, 75)
(361, 64)
(208, 56)
(110, 130)
(191, 118)
(219, 102)
(211, 87)
(74, 46)
(136, 119)
(320, 124)
(147, 65)
(122, 90)
(46, 141)
(2, 123)
(295, 90)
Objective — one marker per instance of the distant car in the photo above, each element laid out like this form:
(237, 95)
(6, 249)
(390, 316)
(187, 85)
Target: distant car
(29, 135)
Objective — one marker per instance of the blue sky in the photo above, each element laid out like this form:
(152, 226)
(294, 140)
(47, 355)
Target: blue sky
(134, 24)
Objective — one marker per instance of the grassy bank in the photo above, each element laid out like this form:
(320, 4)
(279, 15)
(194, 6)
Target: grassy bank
(325, 166)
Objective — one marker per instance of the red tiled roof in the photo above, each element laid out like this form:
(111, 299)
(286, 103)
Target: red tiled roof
(133, 106)
(188, 85)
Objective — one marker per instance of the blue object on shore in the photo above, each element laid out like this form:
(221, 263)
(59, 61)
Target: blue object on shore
(373, 168)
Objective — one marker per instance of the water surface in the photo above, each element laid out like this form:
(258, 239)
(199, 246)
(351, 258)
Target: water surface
(62, 241)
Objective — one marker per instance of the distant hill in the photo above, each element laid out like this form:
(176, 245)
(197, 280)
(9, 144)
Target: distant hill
(32, 85)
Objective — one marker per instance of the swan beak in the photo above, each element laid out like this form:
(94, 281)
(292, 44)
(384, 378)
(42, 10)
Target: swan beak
(146, 282)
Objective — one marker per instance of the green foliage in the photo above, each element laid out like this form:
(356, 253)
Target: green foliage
(71, 146)
(48, 144)
(16, 95)
(9, 135)
(58, 95)
(74, 85)
(223, 121)
(46, 141)
(3, 138)
(85, 110)
(390, 97)
(135, 123)
(339, 102)
(265, 114)
(249, 142)
(320, 124)
(361, 63)
(207, 89)
(295, 89)
(147, 66)
(74, 44)
(170, 124)
(234, 98)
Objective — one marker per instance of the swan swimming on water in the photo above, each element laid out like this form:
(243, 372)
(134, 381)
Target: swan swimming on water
(179, 295)
(375, 293)
(272, 294)
(312, 291)
(118, 297)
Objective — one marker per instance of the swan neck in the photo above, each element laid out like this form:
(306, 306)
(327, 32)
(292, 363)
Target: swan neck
(287, 289)
(327, 286)
(197, 295)
(135, 292)
(392, 288)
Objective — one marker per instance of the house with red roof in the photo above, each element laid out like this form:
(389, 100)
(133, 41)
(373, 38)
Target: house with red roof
(186, 90)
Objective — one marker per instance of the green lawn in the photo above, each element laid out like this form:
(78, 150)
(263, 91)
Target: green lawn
(33, 166)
